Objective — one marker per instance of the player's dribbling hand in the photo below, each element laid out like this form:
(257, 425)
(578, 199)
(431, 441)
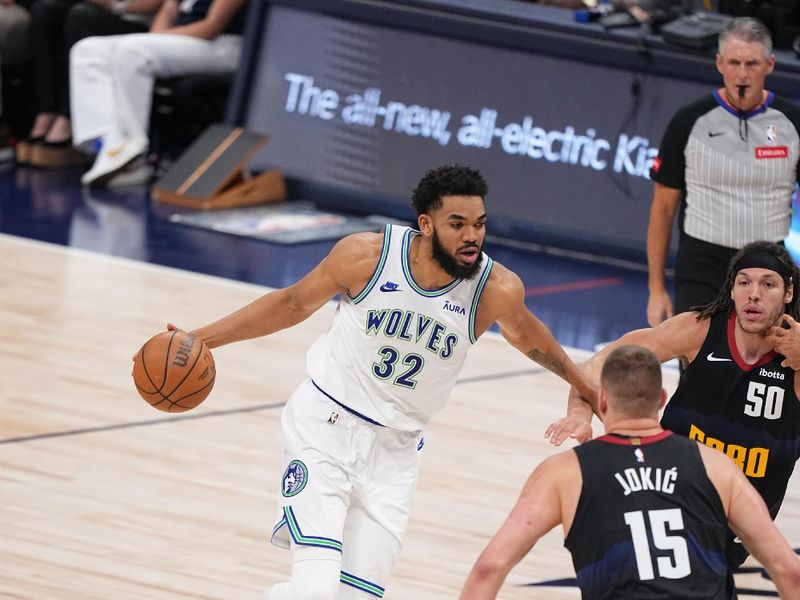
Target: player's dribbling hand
(569, 427)
(786, 341)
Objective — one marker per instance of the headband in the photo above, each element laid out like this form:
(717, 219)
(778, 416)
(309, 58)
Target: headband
(762, 260)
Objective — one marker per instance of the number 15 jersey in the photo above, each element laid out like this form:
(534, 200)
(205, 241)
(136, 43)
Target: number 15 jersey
(649, 523)
(394, 350)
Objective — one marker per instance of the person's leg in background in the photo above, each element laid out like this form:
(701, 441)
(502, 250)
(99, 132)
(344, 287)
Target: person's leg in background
(14, 26)
(49, 61)
(14, 57)
(126, 73)
(83, 20)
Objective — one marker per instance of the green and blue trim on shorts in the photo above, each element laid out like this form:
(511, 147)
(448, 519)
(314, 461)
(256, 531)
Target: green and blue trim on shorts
(297, 535)
(362, 584)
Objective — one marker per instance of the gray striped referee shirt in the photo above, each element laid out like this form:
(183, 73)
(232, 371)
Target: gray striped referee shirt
(737, 173)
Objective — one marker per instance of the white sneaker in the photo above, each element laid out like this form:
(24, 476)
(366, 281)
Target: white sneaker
(113, 157)
(136, 172)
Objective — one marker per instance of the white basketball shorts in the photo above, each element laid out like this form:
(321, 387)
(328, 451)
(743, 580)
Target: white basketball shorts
(347, 486)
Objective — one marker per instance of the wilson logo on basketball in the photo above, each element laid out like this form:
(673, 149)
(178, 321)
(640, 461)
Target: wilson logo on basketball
(772, 152)
(181, 358)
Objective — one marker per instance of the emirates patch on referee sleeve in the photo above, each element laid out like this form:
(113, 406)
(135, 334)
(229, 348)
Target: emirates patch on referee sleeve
(772, 152)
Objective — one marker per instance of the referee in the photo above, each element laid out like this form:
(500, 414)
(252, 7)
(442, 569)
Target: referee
(732, 157)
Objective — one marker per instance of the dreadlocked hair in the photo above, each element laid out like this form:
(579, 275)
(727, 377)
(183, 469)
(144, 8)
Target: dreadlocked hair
(723, 303)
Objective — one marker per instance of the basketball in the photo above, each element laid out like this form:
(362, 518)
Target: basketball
(174, 371)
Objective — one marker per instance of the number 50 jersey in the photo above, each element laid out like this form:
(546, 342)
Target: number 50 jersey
(394, 350)
(749, 412)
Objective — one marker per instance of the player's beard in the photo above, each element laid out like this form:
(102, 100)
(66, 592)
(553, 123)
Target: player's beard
(762, 330)
(449, 263)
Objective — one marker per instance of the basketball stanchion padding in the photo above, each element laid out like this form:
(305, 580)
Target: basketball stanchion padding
(212, 173)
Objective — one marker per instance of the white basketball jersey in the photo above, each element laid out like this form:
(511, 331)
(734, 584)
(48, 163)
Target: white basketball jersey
(394, 350)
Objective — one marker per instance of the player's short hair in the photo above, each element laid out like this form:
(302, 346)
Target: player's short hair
(631, 376)
(748, 30)
(447, 180)
(768, 255)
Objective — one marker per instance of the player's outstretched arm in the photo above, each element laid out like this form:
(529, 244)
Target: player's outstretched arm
(504, 302)
(750, 520)
(347, 267)
(576, 425)
(680, 336)
(537, 511)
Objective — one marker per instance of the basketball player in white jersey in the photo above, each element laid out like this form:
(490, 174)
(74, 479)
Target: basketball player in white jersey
(411, 304)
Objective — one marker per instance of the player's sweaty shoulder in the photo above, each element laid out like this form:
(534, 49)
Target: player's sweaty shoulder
(504, 289)
(356, 256)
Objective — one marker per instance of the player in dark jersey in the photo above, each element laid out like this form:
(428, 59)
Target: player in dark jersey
(735, 395)
(644, 510)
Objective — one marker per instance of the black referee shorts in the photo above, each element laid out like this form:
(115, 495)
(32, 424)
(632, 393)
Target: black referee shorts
(700, 269)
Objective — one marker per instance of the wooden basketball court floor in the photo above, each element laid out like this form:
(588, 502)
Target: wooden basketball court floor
(103, 497)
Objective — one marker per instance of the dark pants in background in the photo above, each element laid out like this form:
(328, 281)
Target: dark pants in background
(700, 270)
(56, 25)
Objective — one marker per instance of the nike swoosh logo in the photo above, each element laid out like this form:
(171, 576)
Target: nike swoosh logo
(715, 133)
(384, 288)
(114, 151)
(712, 358)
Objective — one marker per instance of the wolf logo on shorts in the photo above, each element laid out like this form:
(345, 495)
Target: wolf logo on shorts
(294, 479)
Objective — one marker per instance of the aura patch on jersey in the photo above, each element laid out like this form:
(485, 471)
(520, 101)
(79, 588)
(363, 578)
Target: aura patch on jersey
(295, 479)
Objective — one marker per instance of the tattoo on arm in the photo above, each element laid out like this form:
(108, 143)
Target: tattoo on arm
(548, 361)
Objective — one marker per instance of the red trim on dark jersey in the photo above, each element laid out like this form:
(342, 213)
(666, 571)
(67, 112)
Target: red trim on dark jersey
(735, 351)
(628, 441)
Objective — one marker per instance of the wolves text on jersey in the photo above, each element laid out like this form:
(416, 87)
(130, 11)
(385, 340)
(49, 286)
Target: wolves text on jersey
(413, 327)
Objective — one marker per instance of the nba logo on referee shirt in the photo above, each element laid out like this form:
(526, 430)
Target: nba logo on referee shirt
(294, 479)
(772, 135)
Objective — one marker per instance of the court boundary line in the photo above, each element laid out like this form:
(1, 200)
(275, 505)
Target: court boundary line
(224, 413)
(145, 423)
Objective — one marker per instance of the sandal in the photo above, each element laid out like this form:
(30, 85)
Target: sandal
(25, 148)
(57, 155)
